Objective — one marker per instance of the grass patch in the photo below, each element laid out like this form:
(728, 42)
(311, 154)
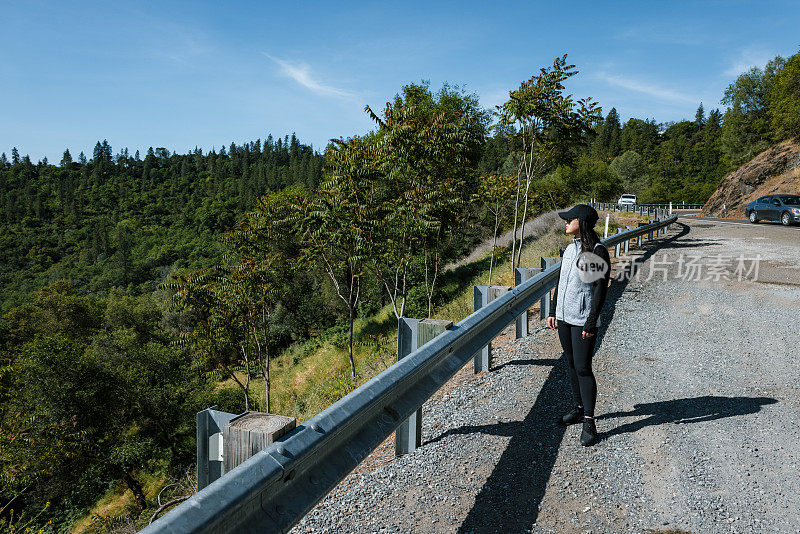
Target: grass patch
(116, 503)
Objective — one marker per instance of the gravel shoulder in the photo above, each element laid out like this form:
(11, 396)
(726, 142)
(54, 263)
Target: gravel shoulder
(698, 411)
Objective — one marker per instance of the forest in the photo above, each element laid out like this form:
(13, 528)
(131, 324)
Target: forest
(134, 286)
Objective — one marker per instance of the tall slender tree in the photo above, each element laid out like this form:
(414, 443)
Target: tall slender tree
(547, 122)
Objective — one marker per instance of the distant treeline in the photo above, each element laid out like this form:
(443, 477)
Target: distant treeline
(123, 220)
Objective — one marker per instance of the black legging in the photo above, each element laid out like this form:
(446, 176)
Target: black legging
(579, 353)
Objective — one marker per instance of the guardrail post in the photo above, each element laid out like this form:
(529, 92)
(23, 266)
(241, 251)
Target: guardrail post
(210, 466)
(412, 334)
(617, 246)
(520, 275)
(483, 295)
(627, 241)
(639, 237)
(547, 262)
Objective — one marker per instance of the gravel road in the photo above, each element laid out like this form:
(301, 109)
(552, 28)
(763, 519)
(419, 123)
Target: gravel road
(698, 412)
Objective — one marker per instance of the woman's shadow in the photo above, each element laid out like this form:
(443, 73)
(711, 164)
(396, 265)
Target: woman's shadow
(684, 411)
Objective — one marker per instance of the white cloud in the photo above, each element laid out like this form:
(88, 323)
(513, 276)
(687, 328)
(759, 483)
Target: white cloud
(685, 35)
(492, 98)
(748, 58)
(301, 73)
(660, 93)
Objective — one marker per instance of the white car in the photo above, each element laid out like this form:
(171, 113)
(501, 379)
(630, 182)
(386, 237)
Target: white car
(627, 200)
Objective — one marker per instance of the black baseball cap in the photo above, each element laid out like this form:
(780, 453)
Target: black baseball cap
(583, 212)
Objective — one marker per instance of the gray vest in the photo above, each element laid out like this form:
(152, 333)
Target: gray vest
(574, 297)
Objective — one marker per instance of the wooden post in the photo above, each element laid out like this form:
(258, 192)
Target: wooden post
(250, 433)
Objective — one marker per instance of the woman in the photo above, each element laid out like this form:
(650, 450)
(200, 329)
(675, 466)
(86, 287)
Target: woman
(574, 310)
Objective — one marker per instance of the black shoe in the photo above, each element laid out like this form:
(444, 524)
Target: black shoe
(575, 416)
(589, 434)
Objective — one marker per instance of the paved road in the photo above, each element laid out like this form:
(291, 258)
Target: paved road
(698, 409)
(743, 222)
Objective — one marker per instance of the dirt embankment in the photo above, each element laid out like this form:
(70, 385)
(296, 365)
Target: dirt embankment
(776, 170)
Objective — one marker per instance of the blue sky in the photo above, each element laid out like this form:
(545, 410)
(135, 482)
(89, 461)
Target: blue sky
(186, 74)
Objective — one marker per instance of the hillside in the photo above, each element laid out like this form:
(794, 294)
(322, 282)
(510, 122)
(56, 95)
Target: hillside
(776, 170)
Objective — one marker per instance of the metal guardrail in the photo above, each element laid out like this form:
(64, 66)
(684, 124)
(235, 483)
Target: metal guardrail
(675, 206)
(644, 208)
(275, 488)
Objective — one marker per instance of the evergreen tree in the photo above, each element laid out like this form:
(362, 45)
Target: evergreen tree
(700, 116)
(97, 153)
(608, 143)
(66, 159)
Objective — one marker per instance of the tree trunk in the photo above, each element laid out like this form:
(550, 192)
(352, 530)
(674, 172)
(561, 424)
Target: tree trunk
(516, 214)
(135, 487)
(244, 387)
(522, 233)
(350, 343)
(494, 247)
(433, 283)
(266, 375)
